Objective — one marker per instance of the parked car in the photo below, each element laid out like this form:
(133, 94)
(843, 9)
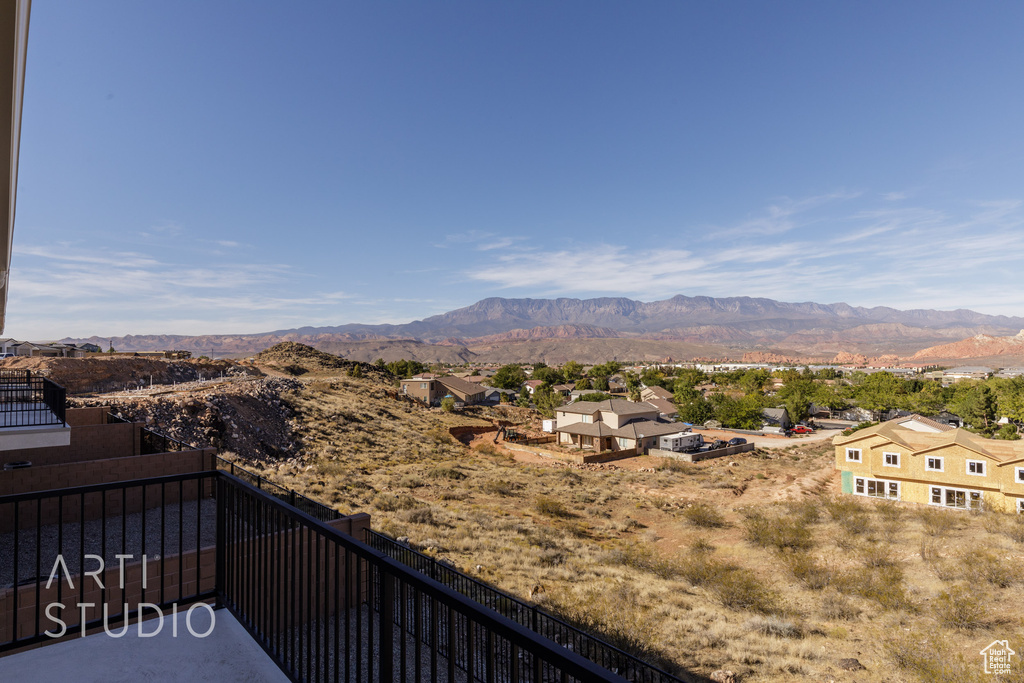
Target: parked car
(718, 443)
(801, 429)
(737, 441)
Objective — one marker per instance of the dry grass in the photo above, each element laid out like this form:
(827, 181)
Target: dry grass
(772, 587)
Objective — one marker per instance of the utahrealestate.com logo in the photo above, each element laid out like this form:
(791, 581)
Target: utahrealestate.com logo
(997, 657)
(62, 628)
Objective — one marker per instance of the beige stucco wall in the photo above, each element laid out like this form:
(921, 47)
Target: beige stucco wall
(999, 486)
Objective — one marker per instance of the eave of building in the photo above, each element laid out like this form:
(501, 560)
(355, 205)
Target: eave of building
(14, 18)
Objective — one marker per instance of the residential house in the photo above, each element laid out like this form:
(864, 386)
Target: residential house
(647, 393)
(777, 418)
(610, 425)
(563, 389)
(667, 410)
(431, 389)
(948, 418)
(532, 385)
(919, 460)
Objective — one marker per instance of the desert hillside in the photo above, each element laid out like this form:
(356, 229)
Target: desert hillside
(752, 565)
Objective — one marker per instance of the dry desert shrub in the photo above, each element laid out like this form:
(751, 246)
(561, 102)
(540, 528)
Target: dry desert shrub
(938, 522)
(777, 532)
(551, 507)
(960, 609)
(774, 626)
(704, 516)
(500, 487)
(644, 557)
(884, 585)
(808, 571)
(446, 472)
(615, 612)
(392, 503)
(836, 606)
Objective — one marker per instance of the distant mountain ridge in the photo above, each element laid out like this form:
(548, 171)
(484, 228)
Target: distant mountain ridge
(731, 322)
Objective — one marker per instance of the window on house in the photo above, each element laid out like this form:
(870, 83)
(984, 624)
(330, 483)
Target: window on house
(623, 443)
(933, 464)
(876, 489)
(976, 467)
(853, 454)
(423, 385)
(1020, 506)
(894, 490)
(587, 419)
(892, 459)
(957, 498)
(859, 486)
(1019, 471)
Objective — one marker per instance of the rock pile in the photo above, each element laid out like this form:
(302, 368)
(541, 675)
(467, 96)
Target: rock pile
(249, 418)
(298, 359)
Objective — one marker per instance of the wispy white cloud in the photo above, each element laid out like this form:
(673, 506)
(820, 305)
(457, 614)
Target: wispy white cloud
(480, 240)
(883, 255)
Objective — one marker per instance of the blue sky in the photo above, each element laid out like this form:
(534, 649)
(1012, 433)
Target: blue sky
(232, 167)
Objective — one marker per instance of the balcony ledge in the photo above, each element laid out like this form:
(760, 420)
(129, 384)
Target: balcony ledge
(226, 654)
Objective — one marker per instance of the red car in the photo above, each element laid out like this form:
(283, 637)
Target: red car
(802, 429)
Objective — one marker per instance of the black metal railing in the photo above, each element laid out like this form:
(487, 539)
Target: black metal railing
(28, 400)
(327, 607)
(151, 442)
(308, 505)
(539, 621)
(109, 531)
(323, 605)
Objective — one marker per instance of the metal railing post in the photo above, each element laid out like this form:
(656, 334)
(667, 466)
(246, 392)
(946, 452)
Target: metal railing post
(387, 626)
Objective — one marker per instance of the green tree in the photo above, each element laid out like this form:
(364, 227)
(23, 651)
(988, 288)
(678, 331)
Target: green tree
(524, 399)
(690, 377)
(509, 377)
(755, 381)
(881, 391)
(929, 399)
(601, 383)
(583, 384)
(692, 406)
(743, 413)
(831, 397)
(547, 400)
(797, 396)
(572, 371)
(977, 406)
(549, 376)
(448, 404)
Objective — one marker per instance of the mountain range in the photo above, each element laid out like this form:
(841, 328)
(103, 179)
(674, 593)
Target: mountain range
(722, 327)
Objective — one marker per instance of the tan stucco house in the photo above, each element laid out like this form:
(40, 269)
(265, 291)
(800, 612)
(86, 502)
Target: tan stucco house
(611, 425)
(919, 460)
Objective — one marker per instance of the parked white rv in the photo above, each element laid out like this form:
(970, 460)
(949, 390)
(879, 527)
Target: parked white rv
(681, 442)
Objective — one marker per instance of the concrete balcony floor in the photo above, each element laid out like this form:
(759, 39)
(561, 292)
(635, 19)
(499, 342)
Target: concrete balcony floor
(227, 654)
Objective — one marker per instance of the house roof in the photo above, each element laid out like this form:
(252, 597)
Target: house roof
(587, 429)
(659, 392)
(917, 442)
(618, 406)
(456, 384)
(921, 424)
(641, 428)
(776, 413)
(664, 407)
